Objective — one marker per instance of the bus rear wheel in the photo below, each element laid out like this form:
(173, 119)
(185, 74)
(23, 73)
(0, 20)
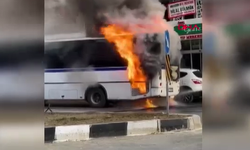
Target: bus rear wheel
(96, 97)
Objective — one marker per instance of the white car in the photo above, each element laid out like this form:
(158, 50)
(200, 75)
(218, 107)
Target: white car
(190, 85)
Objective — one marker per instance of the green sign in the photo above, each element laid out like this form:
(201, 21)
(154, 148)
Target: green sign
(238, 29)
(189, 31)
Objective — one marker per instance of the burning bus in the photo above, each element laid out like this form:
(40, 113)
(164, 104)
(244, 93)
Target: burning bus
(100, 70)
(127, 63)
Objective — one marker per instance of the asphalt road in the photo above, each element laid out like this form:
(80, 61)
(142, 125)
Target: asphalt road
(195, 108)
(189, 140)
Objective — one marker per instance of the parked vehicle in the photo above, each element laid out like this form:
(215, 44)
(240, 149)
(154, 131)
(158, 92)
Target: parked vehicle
(190, 85)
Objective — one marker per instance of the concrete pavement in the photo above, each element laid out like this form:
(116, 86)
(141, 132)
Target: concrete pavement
(171, 141)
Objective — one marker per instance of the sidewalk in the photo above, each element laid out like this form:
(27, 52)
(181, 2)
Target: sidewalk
(191, 140)
(128, 128)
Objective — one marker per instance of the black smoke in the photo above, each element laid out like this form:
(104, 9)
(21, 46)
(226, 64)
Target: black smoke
(151, 57)
(94, 13)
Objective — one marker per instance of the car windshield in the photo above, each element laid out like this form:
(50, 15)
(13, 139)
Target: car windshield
(198, 74)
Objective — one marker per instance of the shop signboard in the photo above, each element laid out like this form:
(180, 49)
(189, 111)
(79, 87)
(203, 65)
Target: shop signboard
(191, 37)
(239, 29)
(181, 8)
(198, 8)
(186, 29)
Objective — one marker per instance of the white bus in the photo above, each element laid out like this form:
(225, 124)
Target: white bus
(90, 69)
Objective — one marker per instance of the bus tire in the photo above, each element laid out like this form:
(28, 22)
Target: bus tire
(96, 97)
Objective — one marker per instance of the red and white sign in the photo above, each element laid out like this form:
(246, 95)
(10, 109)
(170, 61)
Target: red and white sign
(183, 8)
(190, 27)
(191, 37)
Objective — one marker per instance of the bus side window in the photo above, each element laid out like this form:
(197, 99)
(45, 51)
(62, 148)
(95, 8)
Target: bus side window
(99, 54)
(81, 54)
(52, 61)
(105, 55)
(51, 56)
(87, 49)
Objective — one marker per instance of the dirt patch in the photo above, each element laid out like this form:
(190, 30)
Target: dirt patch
(74, 119)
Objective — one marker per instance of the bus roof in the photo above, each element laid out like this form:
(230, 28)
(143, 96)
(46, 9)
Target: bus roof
(68, 37)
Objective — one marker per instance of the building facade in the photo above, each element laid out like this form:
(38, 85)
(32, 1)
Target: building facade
(191, 43)
(191, 39)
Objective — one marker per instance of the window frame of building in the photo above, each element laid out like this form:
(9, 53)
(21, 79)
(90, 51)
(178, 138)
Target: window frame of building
(191, 51)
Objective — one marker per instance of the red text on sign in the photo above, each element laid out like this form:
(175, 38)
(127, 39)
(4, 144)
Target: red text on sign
(185, 27)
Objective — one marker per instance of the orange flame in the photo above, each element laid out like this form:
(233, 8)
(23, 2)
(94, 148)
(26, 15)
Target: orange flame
(149, 104)
(123, 41)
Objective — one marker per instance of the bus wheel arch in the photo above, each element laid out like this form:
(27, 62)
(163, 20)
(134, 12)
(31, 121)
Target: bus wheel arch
(96, 96)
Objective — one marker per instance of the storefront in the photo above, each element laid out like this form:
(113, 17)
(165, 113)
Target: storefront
(191, 39)
(192, 54)
(191, 47)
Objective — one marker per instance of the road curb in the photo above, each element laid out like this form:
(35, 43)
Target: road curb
(129, 128)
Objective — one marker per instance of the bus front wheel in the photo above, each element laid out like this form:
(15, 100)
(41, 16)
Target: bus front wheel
(96, 97)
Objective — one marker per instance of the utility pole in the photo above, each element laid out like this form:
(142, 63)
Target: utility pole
(166, 51)
(167, 99)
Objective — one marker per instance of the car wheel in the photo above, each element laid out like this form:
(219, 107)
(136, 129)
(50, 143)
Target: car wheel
(188, 98)
(186, 95)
